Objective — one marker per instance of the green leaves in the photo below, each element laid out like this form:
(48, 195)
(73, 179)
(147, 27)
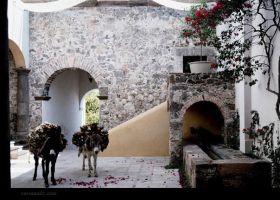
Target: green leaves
(92, 107)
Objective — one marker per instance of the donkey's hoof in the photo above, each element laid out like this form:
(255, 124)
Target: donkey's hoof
(91, 168)
(46, 185)
(34, 178)
(95, 175)
(89, 175)
(54, 182)
(83, 169)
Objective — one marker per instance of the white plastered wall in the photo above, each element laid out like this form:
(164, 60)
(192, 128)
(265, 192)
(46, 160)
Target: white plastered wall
(64, 106)
(18, 25)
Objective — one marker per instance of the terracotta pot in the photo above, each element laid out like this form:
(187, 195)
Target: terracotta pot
(200, 67)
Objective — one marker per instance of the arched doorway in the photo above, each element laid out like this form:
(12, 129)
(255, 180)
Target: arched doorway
(67, 89)
(206, 119)
(90, 107)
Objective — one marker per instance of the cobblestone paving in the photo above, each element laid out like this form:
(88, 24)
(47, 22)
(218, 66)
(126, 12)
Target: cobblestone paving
(113, 172)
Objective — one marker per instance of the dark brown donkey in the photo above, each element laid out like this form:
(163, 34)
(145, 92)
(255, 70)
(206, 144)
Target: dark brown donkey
(53, 143)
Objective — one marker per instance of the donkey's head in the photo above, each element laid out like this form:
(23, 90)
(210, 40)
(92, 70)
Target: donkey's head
(94, 143)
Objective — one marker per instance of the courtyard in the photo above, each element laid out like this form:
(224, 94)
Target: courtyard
(113, 172)
(125, 74)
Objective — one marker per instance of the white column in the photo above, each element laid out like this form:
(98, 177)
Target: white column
(245, 114)
(245, 102)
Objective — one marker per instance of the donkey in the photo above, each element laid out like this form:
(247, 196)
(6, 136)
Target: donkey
(91, 148)
(49, 153)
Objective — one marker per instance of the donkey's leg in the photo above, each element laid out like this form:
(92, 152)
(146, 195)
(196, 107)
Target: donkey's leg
(89, 165)
(94, 164)
(84, 158)
(80, 151)
(53, 161)
(36, 158)
(47, 172)
(43, 167)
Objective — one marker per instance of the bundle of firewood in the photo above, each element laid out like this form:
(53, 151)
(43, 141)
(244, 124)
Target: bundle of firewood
(38, 136)
(79, 138)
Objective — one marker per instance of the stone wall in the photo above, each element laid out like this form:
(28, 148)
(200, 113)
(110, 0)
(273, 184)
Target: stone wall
(13, 94)
(128, 50)
(186, 89)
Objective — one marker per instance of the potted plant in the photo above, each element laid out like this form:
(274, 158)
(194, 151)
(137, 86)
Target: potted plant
(200, 29)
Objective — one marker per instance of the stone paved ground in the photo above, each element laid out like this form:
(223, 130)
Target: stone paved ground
(113, 172)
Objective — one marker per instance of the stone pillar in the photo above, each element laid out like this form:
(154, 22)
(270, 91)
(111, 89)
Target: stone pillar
(22, 104)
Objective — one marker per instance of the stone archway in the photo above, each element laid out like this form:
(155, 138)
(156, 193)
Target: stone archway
(54, 75)
(66, 89)
(42, 78)
(19, 93)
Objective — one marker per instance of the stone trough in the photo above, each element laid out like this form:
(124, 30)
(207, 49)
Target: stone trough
(221, 167)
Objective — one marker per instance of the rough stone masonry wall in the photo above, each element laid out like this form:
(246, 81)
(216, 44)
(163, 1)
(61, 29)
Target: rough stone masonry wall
(13, 94)
(186, 89)
(130, 50)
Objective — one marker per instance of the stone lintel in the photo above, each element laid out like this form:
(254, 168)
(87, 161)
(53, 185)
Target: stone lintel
(102, 97)
(42, 98)
(22, 70)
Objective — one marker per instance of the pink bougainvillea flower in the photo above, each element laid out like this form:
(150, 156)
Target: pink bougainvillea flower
(213, 66)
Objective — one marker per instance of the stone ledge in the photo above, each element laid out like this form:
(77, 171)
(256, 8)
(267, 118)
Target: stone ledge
(205, 172)
(208, 78)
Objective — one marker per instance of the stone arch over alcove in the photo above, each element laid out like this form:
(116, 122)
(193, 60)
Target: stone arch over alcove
(187, 89)
(224, 109)
(203, 120)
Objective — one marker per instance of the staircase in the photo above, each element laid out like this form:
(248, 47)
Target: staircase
(144, 135)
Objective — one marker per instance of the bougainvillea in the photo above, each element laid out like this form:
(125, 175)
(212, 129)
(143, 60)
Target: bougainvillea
(231, 44)
(201, 21)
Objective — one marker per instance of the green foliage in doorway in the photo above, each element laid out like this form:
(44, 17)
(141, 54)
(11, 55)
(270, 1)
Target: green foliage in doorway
(92, 107)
